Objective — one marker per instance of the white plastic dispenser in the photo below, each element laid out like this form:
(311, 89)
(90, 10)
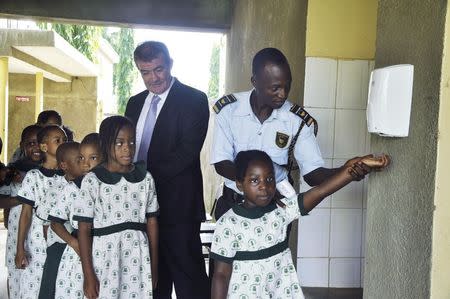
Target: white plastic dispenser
(389, 100)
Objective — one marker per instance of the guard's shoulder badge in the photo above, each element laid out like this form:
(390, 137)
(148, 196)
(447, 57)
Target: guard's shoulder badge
(223, 101)
(300, 112)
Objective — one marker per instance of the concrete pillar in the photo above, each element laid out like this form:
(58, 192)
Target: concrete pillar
(4, 107)
(39, 103)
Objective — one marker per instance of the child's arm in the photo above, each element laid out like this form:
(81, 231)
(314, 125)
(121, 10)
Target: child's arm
(221, 279)
(91, 284)
(62, 232)
(343, 177)
(7, 201)
(24, 226)
(153, 238)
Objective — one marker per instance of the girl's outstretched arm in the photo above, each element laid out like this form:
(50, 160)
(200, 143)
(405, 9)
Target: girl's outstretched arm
(91, 285)
(342, 178)
(221, 279)
(153, 239)
(24, 226)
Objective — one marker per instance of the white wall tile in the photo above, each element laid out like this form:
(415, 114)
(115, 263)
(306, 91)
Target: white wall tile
(350, 196)
(363, 266)
(345, 235)
(326, 203)
(363, 239)
(314, 234)
(371, 66)
(325, 135)
(313, 272)
(320, 82)
(350, 133)
(365, 186)
(352, 84)
(345, 273)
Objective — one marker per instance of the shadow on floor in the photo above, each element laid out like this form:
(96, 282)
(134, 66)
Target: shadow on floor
(332, 293)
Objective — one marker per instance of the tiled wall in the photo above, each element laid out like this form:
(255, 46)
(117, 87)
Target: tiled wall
(331, 238)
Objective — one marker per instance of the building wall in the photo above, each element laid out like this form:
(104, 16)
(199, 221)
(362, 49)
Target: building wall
(340, 47)
(259, 24)
(440, 259)
(75, 101)
(401, 201)
(341, 29)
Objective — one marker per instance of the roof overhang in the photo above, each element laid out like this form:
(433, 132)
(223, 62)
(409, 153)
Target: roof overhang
(33, 51)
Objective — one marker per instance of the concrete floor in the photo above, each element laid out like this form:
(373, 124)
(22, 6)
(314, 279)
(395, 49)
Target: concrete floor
(332, 293)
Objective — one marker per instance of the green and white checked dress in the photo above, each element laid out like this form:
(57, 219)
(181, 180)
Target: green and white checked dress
(254, 241)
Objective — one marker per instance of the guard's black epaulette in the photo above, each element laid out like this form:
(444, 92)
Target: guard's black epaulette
(299, 111)
(223, 101)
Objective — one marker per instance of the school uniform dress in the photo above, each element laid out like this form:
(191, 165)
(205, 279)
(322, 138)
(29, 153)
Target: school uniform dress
(13, 229)
(37, 187)
(69, 280)
(255, 242)
(11, 242)
(118, 206)
(236, 128)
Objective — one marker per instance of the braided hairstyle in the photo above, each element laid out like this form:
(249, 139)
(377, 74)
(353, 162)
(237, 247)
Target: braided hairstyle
(109, 129)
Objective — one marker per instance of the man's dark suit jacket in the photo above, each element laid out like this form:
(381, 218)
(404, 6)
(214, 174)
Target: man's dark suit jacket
(174, 153)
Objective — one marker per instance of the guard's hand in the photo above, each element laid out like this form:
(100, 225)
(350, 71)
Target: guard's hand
(358, 170)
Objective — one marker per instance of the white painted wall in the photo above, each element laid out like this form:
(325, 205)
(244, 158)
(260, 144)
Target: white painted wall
(331, 238)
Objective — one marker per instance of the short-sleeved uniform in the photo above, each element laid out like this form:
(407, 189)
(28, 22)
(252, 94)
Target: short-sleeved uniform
(11, 241)
(69, 281)
(37, 187)
(254, 241)
(236, 129)
(118, 206)
(13, 229)
(55, 245)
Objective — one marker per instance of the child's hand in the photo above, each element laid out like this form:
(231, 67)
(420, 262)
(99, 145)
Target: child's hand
(91, 287)
(377, 163)
(21, 259)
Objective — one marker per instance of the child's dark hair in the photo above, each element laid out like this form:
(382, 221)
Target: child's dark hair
(33, 129)
(43, 133)
(244, 158)
(109, 129)
(91, 139)
(69, 133)
(65, 148)
(45, 115)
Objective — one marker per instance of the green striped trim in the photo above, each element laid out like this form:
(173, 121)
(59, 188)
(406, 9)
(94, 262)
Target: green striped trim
(263, 253)
(83, 219)
(108, 230)
(56, 219)
(301, 205)
(228, 260)
(152, 214)
(25, 201)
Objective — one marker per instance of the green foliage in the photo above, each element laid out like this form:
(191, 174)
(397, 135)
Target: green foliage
(84, 38)
(124, 72)
(214, 66)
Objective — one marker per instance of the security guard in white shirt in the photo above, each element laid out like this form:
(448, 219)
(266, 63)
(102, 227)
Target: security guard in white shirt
(263, 119)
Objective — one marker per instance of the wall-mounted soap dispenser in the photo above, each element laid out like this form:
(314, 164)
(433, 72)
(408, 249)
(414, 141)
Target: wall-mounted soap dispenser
(389, 101)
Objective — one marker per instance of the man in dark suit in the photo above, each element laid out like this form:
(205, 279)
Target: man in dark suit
(171, 123)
